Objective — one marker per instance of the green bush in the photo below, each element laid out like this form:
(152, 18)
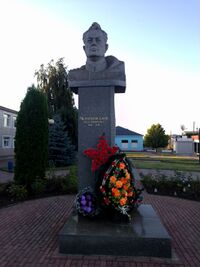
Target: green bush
(62, 185)
(17, 192)
(56, 185)
(178, 185)
(72, 181)
(52, 185)
(31, 139)
(195, 187)
(38, 186)
(4, 189)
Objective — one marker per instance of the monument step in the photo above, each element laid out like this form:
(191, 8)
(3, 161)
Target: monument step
(144, 236)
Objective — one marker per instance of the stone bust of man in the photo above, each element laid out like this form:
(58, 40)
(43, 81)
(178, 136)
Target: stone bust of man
(98, 70)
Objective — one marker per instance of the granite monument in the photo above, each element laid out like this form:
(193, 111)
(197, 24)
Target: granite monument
(95, 83)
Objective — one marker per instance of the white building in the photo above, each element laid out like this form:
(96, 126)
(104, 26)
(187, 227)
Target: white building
(184, 145)
(7, 131)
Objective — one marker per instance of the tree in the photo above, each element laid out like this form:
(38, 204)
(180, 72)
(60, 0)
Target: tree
(183, 128)
(61, 151)
(31, 139)
(156, 137)
(53, 82)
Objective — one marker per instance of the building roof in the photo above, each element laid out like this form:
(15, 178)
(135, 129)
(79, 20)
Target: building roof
(124, 131)
(8, 110)
(189, 133)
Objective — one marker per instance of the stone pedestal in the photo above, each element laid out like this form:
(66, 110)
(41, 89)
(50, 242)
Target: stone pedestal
(96, 117)
(96, 114)
(145, 235)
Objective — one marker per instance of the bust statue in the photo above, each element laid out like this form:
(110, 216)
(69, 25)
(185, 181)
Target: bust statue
(98, 70)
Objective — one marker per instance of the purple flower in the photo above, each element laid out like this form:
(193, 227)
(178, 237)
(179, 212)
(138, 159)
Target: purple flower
(83, 202)
(82, 197)
(88, 197)
(88, 209)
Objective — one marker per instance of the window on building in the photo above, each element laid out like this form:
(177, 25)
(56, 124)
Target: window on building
(124, 144)
(6, 120)
(6, 142)
(14, 121)
(134, 143)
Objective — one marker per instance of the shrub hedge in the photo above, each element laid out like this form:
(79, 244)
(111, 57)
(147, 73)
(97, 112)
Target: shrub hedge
(13, 192)
(179, 185)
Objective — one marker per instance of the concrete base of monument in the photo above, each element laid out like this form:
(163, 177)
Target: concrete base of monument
(144, 236)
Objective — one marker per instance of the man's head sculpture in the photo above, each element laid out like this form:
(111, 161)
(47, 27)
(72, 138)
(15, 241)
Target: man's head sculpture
(99, 70)
(95, 42)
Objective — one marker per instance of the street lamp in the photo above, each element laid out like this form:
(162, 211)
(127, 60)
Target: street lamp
(199, 145)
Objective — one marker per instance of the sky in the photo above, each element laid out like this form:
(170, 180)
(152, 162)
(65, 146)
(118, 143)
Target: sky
(158, 40)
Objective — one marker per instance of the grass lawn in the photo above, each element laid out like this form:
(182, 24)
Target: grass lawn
(164, 162)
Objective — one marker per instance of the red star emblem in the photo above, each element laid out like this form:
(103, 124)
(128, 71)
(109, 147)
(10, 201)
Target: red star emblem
(101, 154)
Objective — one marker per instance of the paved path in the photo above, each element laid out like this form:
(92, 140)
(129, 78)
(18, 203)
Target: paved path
(8, 176)
(29, 234)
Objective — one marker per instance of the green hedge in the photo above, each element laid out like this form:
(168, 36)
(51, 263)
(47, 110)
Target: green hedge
(14, 192)
(179, 185)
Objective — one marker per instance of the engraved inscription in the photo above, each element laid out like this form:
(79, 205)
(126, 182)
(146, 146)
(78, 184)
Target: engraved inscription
(94, 121)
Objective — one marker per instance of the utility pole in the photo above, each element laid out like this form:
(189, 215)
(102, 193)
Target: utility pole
(199, 146)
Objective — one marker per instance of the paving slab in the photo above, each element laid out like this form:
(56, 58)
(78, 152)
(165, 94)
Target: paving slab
(29, 234)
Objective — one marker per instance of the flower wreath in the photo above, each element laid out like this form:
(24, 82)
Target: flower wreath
(115, 185)
(86, 202)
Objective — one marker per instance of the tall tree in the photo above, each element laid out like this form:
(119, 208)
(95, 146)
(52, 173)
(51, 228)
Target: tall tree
(31, 139)
(53, 82)
(61, 151)
(156, 137)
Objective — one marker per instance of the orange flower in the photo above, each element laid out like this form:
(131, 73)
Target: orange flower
(115, 192)
(130, 194)
(122, 165)
(112, 179)
(119, 184)
(123, 201)
(123, 180)
(127, 175)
